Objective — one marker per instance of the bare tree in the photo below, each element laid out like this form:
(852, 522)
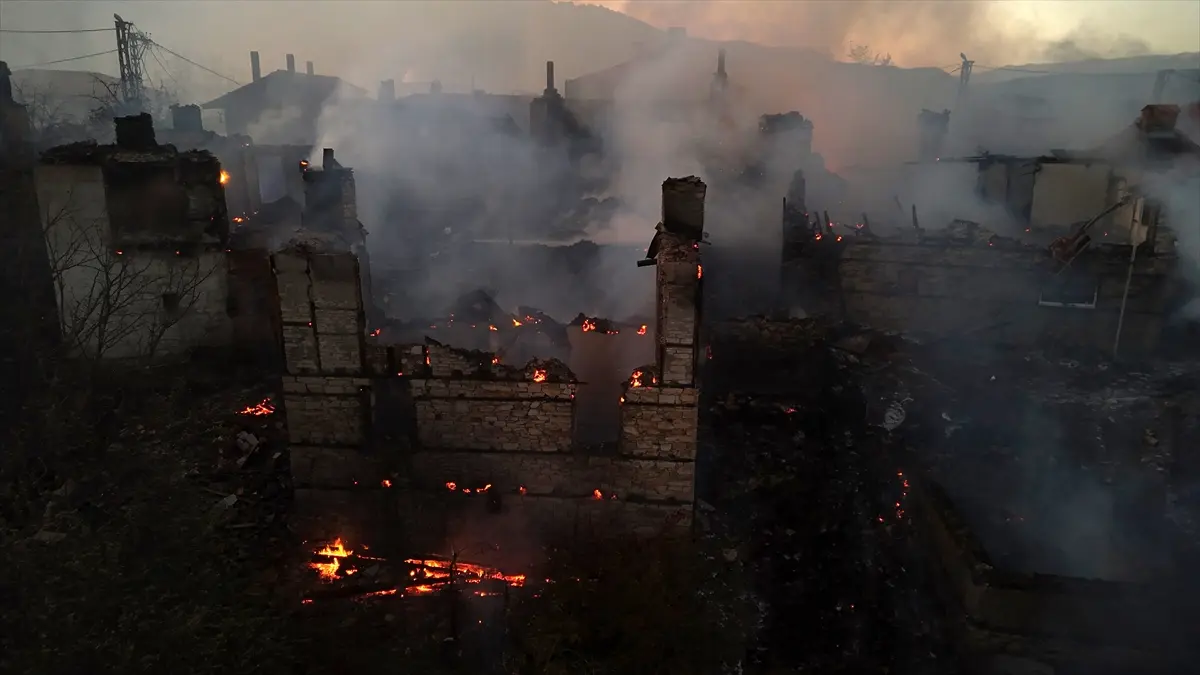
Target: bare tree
(862, 54)
(111, 302)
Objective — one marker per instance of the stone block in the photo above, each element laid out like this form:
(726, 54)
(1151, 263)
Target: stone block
(482, 424)
(337, 295)
(294, 303)
(341, 353)
(337, 321)
(326, 420)
(300, 349)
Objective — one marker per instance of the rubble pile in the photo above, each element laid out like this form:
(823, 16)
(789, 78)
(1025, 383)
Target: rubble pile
(808, 489)
(815, 429)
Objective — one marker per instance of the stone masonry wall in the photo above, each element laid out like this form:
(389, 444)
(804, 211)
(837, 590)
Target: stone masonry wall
(659, 422)
(494, 415)
(327, 395)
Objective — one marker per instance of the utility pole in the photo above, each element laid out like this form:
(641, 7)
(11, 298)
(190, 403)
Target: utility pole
(964, 78)
(131, 47)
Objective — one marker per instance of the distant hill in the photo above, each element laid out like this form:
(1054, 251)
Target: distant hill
(1122, 66)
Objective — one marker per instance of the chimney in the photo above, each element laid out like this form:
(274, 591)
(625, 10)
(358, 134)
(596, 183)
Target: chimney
(387, 90)
(291, 63)
(721, 63)
(327, 160)
(308, 67)
(186, 118)
(135, 132)
(1158, 118)
(255, 67)
(549, 76)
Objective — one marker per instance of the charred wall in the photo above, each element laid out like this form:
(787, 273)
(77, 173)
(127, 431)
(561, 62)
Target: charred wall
(1008, 293)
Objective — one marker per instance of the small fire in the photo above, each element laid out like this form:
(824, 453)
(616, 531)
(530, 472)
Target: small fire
(539, 375)
(329, 570)
(224, 177)
(699, 272)
(817, 236)
(376, 332)
(386, 483)
(239, 219)
(522, 489)
(635, 380)
(453, 487)
(260, 409)
(642, 330)
(598, 495)
(435, 572)
(491, 327)
(495, 360)
(588, 325)
(516, 323)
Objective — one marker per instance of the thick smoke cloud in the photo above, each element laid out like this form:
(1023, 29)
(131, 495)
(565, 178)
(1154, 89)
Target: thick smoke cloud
(915, 33)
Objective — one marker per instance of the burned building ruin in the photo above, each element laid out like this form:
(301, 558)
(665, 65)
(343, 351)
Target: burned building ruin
(480, 431)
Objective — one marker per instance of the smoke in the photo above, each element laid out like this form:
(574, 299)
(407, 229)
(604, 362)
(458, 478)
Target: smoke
(913, 33)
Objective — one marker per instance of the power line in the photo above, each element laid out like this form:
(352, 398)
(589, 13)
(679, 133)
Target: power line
(55, 32)
(187, 60)
(73, 58)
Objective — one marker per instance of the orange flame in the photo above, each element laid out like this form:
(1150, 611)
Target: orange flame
(699, 272)
(386, 483)
(265, 407)
(328, 571)
(516, 323)
(376, 332)
(588, 325)
(495, 360)
(596, 494)
(642, 330)
(224, 177)
(491, 327)
(539, 375)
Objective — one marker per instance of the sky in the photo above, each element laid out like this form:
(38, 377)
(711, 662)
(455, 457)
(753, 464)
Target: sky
(501, 45)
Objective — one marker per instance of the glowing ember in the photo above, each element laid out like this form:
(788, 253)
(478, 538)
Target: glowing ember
(598, 495)
(329, 570)
(635, 380)
(521, 489)
(453, 487)
(239, 219)
(431, 572)
(642, 330)
(699, 272)
(386, 483)
(260, 409)
(517, 323)
(224, 177)
(491, 327)
(539, 375)
(376, 332)
(588, 325)
(495, 360)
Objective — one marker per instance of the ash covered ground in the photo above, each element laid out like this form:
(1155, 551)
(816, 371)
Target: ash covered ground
(1062, 464)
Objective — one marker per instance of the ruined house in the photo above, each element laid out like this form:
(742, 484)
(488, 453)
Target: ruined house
(1054, 262)
(489, 455)
(282, 107)
(135, 236)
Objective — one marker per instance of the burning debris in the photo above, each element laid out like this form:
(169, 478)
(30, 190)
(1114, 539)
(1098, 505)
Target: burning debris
(594, 325)
(260, 409)
(549, 370)
(643, 377)
(346, 573)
